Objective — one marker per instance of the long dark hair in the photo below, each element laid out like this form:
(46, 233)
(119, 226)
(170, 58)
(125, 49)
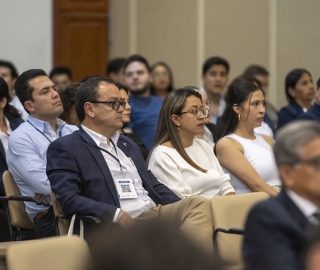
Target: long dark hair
(4, 92)
(291, 81)
(238, 92)
(170, 86)
(173, 103)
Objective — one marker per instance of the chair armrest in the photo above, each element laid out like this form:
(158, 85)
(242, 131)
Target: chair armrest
(38, 201)
(227, 231)
(96, 220)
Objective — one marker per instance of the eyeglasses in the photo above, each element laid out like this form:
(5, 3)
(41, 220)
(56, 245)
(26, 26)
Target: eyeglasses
(315, 162)
(115, 105)
(197, 112)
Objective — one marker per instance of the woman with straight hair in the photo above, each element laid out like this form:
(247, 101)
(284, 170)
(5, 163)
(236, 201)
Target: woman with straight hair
(300, 92)
(244, 154)
(9, 120)
(162, 79)
(184, 163)
(125, 130)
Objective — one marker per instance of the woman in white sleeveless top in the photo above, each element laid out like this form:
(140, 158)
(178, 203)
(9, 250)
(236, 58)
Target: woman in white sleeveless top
(179, 160)
(244, 154)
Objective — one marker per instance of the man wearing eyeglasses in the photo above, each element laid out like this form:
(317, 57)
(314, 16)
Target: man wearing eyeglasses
(276, 229)
(96, 171)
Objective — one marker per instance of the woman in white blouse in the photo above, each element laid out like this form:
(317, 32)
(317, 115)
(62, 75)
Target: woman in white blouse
(179, 160)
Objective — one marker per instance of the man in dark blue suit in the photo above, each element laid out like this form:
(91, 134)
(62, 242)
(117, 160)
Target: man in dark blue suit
(276, 229)
(96, 171)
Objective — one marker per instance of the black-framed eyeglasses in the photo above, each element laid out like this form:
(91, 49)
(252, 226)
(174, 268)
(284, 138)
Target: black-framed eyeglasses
(315, 162)
(115, 105)
(197, 112)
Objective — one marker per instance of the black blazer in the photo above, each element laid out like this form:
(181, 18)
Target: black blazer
(82, 182)
(275, 233)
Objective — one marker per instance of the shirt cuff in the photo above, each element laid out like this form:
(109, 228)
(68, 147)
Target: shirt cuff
(116, 215)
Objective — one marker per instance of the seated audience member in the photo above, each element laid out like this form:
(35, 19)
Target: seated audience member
(162, 79)
(115, 70)
(61, 77)
(145, 108)
(96, 171)
(126, 119)
(179, 160)
(266, 128)
(9, 120)
(244, 154)
(210, 130)
(10, 74)
(29, 142)
(145, 247)
(276, 229)
(314, 112)
(260, 74)
(67, 97)
(300, 93)
(215, 73)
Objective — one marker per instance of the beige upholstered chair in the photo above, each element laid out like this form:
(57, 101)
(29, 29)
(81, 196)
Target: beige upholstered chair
(63, 253)
(62, 222)
(229, 216)
(16, 208)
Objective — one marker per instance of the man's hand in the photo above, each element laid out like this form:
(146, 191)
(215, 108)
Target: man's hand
(38, 195)
(126, 221)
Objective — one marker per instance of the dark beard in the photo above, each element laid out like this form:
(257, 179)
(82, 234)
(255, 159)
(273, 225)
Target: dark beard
(139, 92)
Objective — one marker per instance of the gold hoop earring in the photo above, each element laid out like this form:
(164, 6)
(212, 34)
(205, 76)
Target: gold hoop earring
(239, 117)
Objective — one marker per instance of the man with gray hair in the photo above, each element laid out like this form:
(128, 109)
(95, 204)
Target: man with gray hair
(276, 229)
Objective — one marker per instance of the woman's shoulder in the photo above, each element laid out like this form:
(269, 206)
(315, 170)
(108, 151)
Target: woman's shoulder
(228, 142)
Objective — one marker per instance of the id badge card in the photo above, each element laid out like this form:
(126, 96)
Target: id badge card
(125, 188)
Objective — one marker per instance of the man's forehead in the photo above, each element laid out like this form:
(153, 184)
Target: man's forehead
(135, 66)
(4, 69)
(41, 81)
(109, 90)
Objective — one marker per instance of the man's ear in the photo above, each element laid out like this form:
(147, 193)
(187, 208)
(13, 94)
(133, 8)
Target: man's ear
(175, 119)
(286, 173)
(88, 109)
(29, 106)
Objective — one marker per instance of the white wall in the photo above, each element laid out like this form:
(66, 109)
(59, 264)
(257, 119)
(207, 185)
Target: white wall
(26, 33)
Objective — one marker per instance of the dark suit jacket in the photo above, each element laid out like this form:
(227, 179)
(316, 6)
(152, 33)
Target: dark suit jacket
(275, 233)
(82, 182)
(14, 123)
(312, 114)
(288, 114)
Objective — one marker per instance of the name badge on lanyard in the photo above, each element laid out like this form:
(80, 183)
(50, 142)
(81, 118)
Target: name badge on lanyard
(125, 188)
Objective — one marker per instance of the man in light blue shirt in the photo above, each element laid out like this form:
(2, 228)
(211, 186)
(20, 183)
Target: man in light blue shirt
(28, 144)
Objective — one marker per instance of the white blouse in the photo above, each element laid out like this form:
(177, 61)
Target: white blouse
(183, 179)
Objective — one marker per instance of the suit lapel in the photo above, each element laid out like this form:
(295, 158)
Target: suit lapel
(2, 153)
(96, 153)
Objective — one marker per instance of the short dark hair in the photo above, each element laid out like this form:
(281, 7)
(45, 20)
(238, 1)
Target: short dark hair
(137, 58)
(292, 79)
(88, 92)
(59, 71)
(121, 86)
(115, 65)
(253, 70)
(23, 88)
(13, 70)
(212, 61)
